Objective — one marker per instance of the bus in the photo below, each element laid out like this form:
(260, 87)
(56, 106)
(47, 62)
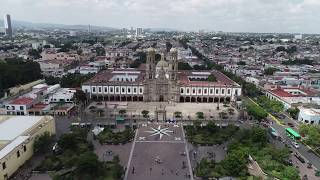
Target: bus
(293, 134)
(274, 132)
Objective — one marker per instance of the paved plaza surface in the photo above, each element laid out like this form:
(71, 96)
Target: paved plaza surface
(159, 152)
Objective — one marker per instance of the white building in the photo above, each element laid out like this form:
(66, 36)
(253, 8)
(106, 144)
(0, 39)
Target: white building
(293, 96)
(60, 95)
(139, 32)
(309, 116)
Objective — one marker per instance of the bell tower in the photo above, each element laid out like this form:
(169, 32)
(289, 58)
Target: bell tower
(173, 66)
(150, 64)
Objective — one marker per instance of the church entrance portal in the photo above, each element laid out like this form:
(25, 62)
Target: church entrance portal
(161, 98)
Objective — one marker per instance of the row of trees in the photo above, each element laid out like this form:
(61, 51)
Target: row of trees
(289, 50)
(271, 106)
(17, 71)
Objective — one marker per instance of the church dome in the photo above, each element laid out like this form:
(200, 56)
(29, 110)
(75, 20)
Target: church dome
(151, 49)
(162, 62)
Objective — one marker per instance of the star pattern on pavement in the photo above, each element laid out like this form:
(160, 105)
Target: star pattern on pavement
(159, 131)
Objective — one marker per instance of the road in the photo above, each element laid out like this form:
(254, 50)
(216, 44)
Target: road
(303, 150)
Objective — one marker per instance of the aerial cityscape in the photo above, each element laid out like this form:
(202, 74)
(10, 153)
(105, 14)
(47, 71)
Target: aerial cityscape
(149, 90)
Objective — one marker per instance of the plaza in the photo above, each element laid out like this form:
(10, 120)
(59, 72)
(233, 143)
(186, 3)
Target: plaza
(159, 151)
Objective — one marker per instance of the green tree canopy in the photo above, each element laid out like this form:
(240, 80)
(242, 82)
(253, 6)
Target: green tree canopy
(145, 113)
(42, 143)
(270, 71)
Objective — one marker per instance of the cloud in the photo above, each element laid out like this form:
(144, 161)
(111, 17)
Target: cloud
(226, 15)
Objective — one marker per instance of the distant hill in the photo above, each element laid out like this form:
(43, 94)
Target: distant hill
(30, 25)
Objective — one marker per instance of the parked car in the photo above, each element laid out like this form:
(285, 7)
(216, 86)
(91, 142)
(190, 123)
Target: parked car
(295, 144)
(288, 162)
(305, 177)
(309, 165)
(281, 116)
(290, 124)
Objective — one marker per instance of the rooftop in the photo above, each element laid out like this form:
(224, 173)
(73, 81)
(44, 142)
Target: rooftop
(14, 126)
(22, 101)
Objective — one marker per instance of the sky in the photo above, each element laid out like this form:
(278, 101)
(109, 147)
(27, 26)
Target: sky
(293, 16)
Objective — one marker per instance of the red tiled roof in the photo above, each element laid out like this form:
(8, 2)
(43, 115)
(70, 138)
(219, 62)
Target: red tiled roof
(22, 101)
(222, 80)
(281, 93)
(40, 105)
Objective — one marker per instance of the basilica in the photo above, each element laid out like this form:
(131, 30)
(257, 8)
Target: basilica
(162, 82)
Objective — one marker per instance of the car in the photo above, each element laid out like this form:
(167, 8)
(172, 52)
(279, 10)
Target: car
(281, 116)
(290, 124)
(309, 166)
(305, 177)
(289, 162)
(295, 144)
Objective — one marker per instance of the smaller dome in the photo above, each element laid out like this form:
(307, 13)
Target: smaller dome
(173, 50)
(151, 49)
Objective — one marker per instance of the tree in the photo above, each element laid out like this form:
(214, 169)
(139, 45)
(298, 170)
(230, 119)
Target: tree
(290, 172)
(142, 56)
(200, 115)
(168, 46)
(88, 164)
(280, 48)
(100, 51)
(241, 63)
(145, 113)
(197, 124)
(235, 164)
(68, 141)
(35, 53)
(293, 112)
(270, 71)
(15, 71)
(272, 106)
(256, 111)
(80, 96)
(184, 66)
(42, 143)
(212, 78)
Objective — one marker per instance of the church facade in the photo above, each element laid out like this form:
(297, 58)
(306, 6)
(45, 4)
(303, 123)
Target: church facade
(162, 82)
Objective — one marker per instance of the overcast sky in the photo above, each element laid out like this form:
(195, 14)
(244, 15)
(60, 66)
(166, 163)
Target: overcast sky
(297, 16)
